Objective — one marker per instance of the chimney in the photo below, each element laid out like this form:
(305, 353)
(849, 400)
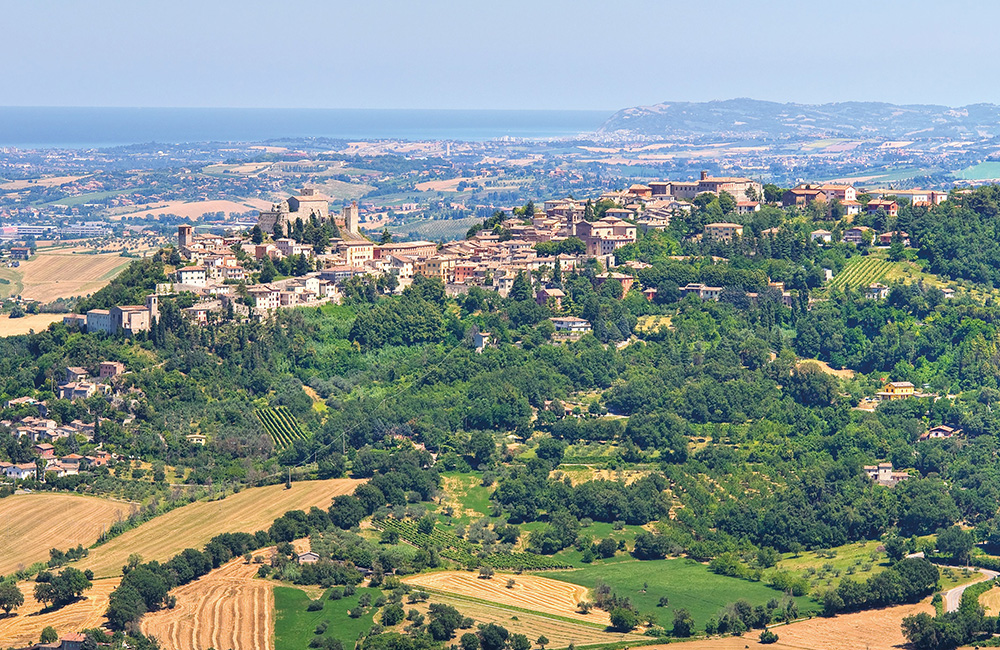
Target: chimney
(704, 175)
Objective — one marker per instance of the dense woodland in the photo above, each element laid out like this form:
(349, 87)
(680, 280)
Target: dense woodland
(745, 450)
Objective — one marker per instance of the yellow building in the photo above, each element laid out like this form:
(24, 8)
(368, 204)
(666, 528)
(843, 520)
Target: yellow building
(896, 390)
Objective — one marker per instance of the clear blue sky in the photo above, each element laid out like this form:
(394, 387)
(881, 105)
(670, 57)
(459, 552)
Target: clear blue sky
(560, 54)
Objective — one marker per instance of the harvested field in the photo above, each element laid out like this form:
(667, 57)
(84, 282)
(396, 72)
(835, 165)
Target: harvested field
(48, 276)
(227, 608)
(36, 322)
(49, 181)
(193, 525)
(529, 592)
(195, 209)
(27, 624)
(991, 601)
(877, 629)
(59, 520)
(559, 633)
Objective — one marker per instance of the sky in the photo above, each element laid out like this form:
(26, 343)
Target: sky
(507, 54)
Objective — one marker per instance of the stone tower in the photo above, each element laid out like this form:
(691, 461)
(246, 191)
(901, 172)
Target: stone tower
(350, 213)
(185, 236)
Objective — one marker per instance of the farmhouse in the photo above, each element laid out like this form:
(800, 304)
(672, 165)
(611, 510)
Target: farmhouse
(883, 474)
(940, 431)
(857, 235)
(876, 291)
(895, 390)
(309, 557)
(20, 253)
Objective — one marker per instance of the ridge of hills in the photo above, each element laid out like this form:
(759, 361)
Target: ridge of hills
(765, 120)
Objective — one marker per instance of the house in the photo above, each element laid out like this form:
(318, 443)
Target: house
(885, 239)
(20, 253)
(723, 231)
(703, 291)
(45, 450)
(884, 475)
(895, 390)
(891, 208)
(545, 294)
(570, 326)
(876, 291)
(626, 280)
(857, 235)
(940, 431)
(802, 196)
(196, 438)
(309, 557)
(111, 369)
(21, 471)
(481, 340)
(606, 235)
(77, 390)
(76, 373)
(194, 276)
(821, 235)
(75, 321)
(747, 207)
(21, 401)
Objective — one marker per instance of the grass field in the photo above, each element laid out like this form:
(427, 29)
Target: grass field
(294, 627)
(27, 623)
(193, 525)
(48, 276)
(228, 608)
(685, 583)
(652, 323)
(34, 523)
(530, 592)
(37, 322)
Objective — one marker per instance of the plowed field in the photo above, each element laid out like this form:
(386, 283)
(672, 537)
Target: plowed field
(227, 608)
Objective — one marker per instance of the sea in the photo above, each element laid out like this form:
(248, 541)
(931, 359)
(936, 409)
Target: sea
(84, 128)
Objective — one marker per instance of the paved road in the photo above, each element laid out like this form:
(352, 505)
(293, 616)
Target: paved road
(953, 597)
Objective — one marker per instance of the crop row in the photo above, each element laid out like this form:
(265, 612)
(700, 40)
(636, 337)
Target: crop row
(463, 551)
(863, 273)
(281, 425)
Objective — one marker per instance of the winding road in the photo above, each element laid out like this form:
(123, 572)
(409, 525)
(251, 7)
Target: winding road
(953, 597)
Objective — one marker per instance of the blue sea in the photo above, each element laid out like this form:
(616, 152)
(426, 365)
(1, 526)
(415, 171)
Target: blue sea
(52, 127)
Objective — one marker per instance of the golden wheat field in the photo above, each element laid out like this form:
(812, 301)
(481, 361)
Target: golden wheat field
(31, 524)
(30, 322)
(878, 629)
(560, 633)
(227, 608)
(529, 592)
(27, 623)
(193, 525)
(48, 276)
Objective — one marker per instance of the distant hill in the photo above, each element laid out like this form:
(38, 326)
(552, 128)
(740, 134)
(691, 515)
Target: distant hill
(749, 118)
